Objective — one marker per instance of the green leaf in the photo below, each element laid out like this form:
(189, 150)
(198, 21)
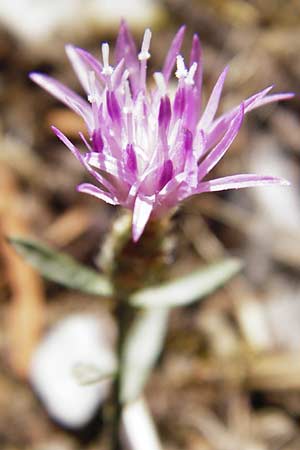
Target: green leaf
(61, 268)
(189, 288)
(142, 347)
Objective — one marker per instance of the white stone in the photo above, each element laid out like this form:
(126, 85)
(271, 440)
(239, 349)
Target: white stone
(33, 20)
(138, 428)
(136, 12)
(279, 206)
(77, 340)
(42, 20)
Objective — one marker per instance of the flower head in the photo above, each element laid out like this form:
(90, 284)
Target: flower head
(149, 148)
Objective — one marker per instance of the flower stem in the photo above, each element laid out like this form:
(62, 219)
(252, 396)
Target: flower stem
(117, 404)
(130, 266)
(122, 315)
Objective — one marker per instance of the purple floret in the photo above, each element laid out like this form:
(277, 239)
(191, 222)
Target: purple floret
(150, 148)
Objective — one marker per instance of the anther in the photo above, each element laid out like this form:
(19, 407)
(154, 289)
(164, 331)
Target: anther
(181, 71)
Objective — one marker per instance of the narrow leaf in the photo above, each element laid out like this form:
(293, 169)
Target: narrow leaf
(87, 374)
(61, 268)
(189, 288)
(141, 350)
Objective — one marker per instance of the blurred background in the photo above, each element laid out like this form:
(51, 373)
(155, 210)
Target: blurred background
(229, 376)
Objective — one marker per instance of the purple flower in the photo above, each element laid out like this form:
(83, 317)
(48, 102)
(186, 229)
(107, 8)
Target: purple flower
(150, 148)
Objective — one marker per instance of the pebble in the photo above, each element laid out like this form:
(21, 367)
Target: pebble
(78, 340)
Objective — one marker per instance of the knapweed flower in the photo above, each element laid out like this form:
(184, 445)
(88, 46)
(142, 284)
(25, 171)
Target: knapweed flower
(150, 148)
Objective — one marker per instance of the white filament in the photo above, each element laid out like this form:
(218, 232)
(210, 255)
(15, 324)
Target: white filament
(144, 53)
(107, 69)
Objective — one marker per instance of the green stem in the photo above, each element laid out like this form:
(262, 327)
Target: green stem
(122, 316)
(130, 266)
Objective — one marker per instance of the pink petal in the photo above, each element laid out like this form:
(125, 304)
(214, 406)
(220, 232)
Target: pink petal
(90, 189)
(220, 125)
(64, 94)
(179, 103)
(113, 107)
(126, 48)
(177, 151)
(97, 141)
(130, 159)
(118, 73)
(103, 162)
(168, 197)
(90, 62)
(81, 159)
(192, 109)
(200, 144)
(110, 165)
(171, 186)
(238, 182)
(213, 102)
(271, 99)
(166, 174)
(253, 102)
(173, 53)
(165, 112)
(79, 66)
(220, 149)
(143, 207)
(196, 56)
(146, 183)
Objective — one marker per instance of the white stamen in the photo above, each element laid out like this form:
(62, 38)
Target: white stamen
(144, 53)
(107, 69)
(181, 71)
(190, 76)
(160, 82)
